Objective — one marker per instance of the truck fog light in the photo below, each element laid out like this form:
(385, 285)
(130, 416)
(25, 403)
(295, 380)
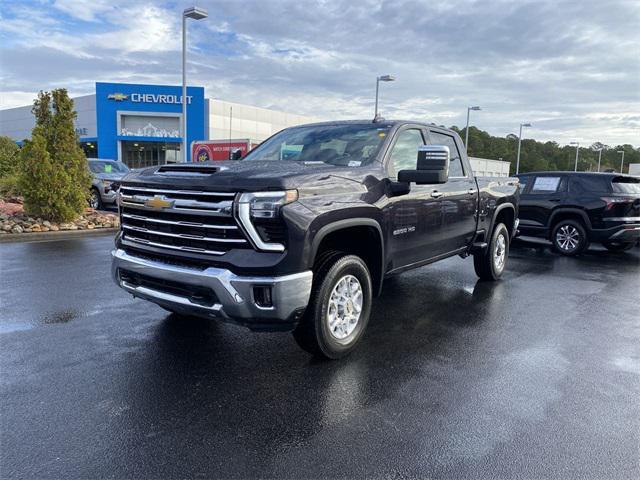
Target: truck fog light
(262, 296)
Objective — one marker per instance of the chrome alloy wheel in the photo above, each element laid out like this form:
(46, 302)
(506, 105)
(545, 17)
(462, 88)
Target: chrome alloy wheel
(345, 307)
(500, 252)
(568, 238)
(94, 200)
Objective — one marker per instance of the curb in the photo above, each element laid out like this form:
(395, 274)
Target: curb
(59, 235)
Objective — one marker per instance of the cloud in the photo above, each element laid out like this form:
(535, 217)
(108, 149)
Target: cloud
(569, 67)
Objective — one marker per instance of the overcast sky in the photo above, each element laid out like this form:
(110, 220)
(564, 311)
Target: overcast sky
(571, 68)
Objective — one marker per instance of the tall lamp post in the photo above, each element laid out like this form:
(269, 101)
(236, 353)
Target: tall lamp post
(466, 135)
(599, 157)
(194, 13)
(381, 78)
(621, 161)
(519, 142)
(577, 144)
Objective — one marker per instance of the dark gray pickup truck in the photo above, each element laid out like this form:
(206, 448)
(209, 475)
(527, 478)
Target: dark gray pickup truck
(301, 233)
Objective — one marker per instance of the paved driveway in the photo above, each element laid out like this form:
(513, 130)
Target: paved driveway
(537, 375)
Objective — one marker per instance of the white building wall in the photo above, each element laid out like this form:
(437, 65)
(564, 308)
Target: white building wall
(634, 169)
(254, 123)
(485, 167)
(18, 122)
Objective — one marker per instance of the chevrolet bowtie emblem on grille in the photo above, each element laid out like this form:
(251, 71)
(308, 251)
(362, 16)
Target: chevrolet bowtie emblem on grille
(118, 97)
(159, 202)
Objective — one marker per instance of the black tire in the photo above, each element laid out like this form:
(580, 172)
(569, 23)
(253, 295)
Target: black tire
(95, 201)
(490, 264)
(314, 333)
(569, 237)
(618, 246)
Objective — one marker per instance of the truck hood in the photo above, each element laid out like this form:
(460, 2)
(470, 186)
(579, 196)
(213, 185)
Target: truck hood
(245, 175)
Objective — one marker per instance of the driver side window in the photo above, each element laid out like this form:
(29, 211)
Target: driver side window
(404, 155)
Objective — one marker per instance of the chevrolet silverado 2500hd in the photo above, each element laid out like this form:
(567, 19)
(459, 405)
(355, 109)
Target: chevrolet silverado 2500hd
(301, 233)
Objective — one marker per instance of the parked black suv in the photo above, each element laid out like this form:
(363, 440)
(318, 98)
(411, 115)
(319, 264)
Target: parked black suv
(574, 208)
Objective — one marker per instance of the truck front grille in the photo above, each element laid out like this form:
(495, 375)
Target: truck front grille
(180, 220)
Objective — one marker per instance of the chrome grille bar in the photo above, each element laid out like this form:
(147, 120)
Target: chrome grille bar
(186, 236)
(172, 247)
(183, 223)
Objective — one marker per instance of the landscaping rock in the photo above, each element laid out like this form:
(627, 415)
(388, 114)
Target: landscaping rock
(17, 229)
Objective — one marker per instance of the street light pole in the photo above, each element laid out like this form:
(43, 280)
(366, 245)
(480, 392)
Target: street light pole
(196, 14)
(466, 134)
(519, 142)
(577, 144)
(621, 161)
(599, 158)
(381, 78)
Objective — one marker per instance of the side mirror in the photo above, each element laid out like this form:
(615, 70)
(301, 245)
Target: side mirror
(432, 166)
(235, 154)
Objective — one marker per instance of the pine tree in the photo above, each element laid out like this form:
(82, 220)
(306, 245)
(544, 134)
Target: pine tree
(55, 179)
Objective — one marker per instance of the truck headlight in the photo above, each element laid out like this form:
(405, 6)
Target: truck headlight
(263, 205)
(107, 185)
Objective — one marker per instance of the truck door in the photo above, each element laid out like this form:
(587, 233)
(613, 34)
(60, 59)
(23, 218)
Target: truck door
(414, 219)
(460, 195)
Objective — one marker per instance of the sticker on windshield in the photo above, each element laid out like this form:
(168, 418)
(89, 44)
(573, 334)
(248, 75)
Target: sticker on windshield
(355, 163)
(107, 168)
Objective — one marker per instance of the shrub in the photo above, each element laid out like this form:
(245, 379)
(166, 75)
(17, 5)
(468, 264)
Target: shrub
(9, 185)
(54, 177)
(9, 157)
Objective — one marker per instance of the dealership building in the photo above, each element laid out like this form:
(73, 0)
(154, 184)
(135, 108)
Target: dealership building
(141, 125)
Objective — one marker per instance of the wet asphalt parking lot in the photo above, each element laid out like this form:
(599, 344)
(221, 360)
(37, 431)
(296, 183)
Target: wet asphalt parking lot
(535, 376)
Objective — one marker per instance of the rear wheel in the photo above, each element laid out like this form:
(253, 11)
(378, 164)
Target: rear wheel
(490, 263)
(569, 237)
(618, 246)
(339, 308)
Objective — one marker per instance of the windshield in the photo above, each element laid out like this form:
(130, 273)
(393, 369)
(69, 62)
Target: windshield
(98, 166)
(348, 145)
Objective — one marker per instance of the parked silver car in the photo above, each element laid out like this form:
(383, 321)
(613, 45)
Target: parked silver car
(106, 177)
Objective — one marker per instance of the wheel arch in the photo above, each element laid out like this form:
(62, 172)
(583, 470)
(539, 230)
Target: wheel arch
(569, 214)
(359, 236)
(504, 213)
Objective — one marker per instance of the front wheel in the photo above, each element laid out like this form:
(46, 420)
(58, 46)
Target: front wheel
(95, 201)
(490, 263)
(618, 246)
(339, 309)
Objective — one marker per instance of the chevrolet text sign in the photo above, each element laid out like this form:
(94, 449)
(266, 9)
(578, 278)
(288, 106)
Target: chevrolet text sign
(149, 98)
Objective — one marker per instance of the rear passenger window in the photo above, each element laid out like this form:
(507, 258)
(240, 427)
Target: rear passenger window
(455, 163)
(546, 185)
(584, 184)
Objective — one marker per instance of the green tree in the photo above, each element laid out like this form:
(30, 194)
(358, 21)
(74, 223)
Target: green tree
(8, 156)
(54, 179)
(9, 167)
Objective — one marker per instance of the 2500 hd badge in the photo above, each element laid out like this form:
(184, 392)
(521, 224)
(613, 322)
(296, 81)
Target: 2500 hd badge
(301, 233)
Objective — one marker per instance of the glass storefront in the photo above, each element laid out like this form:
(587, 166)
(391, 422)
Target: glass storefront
(148, 154)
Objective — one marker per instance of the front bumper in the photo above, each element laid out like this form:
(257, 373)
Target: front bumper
(234, 295)
(109, 197)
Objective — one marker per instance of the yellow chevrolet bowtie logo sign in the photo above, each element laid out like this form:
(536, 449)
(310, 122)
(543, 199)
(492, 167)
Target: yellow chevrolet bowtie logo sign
(159, 202)
(118, 97)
